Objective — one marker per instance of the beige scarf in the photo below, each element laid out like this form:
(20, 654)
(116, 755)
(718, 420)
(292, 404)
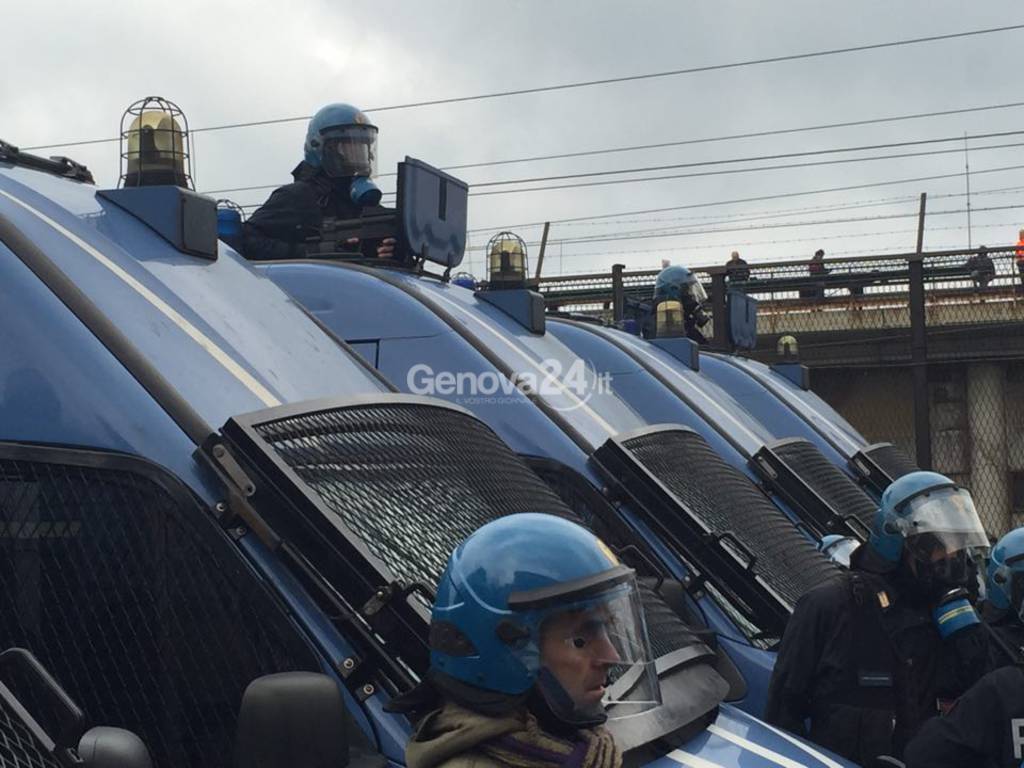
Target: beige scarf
(534, 748)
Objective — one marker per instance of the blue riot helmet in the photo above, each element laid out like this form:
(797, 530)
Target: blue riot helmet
(934, 521)
(678, 301)
(342, 142)
(838, 548)
(533, 603)
(464, 280)
(1004, 584)
(677, 283)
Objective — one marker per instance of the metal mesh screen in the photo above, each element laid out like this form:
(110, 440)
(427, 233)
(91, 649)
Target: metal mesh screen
(18, 749)
(667, 628)
(827, 480)
(136, 603)
(413, 481)
(892, 460)
(667, 631)
(726, 501)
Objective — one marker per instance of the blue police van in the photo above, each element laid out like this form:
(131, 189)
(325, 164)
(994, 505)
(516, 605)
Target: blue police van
(211, 506)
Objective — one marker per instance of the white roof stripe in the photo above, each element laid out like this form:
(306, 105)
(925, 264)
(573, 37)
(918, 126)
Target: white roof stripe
(691, 761)
(211, 348)
(472, 318)
(764, 752)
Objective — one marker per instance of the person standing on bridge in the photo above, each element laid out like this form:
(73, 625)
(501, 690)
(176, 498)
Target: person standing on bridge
(1020, 255)
(737, 270)
(817, 271)
(982, 268)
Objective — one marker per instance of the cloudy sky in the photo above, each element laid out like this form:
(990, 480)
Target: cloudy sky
(71, 69)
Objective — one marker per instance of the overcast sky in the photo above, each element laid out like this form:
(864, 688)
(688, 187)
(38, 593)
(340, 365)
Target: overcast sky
(70, 69)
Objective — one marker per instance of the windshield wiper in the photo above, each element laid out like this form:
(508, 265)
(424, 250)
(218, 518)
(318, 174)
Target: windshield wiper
(58, 166)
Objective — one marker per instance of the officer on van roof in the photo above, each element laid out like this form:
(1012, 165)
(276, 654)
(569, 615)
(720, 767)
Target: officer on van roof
(332, 183)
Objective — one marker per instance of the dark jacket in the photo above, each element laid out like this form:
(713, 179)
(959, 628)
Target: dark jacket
(1007, 646)
(294, 215)
(985, 728)
(737, 270)
(864, 664)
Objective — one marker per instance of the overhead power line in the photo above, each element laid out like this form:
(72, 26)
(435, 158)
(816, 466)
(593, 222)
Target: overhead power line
(730, 171)
(768, 215)
(615, 237)
(685, 142)
(591, 83)
(815, 239)
(749, 159)
(736, 201)
(783, 212)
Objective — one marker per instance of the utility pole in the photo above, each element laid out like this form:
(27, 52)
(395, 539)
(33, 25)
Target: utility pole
(967, 174)
(919, 350)
(543, 247)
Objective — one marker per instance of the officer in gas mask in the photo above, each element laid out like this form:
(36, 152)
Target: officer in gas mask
(677, 286)
(334, 182)
(1003, 607)
(534, 618)
(986, 725)
(868, 658)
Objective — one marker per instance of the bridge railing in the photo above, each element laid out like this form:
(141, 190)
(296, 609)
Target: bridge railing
(871, 292)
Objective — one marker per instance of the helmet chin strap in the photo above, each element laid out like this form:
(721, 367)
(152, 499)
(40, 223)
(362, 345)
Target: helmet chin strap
(556, 710)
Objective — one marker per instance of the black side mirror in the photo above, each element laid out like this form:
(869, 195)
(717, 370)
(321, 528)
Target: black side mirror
(99, 747)
(884, 761)
(292, 719)
(104, 747)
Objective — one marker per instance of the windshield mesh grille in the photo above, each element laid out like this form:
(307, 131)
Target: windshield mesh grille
(412, 481)
(18, 749)
(892, 460)
(826, 479)
(137, 604)
(727, 501)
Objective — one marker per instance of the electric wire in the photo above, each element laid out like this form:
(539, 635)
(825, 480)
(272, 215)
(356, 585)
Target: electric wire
(755, 134)
(615, 237)
(591, 83)
(758, 198)
(733, 171)
(747, 159)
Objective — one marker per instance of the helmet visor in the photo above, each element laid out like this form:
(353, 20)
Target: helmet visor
(350, 150)
(696, 291)
(1016, 592)
(841, 550)
(944, 523)
(595, 655)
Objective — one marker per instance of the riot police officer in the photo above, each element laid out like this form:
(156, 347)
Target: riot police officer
(1003, 608)
(531, 614)
(984, 729)
(332, 183)
(678, 286)
(868, 658)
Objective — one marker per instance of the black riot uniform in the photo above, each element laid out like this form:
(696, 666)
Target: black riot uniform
(291, 223)
(984, 729)
(1007, 645)
(862, 661)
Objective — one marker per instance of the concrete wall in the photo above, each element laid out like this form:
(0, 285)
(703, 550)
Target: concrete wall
(977, 419)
